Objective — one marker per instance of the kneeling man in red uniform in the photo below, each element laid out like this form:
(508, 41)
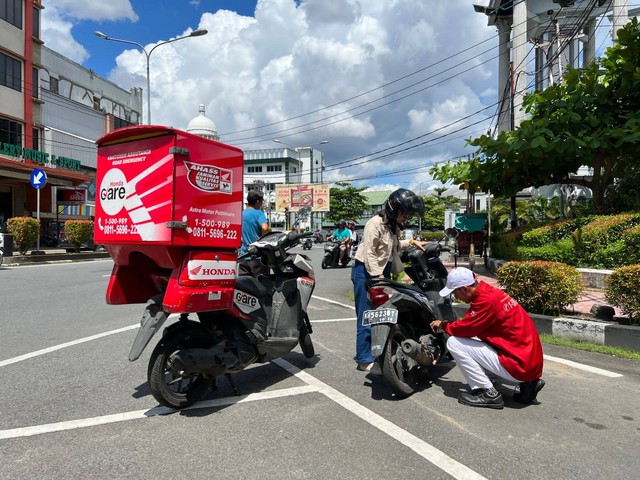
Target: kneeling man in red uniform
(496, 336)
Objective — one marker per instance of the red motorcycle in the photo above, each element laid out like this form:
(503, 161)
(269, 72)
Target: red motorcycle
(169, 210)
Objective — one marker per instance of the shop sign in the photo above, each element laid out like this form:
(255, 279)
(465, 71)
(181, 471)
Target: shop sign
(41, 158)
(72, 195)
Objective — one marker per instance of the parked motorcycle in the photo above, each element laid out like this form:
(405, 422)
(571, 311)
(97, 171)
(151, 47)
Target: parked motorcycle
(331, 257)
(307, 243)
(401, 315)
(318, 237)
(190, 354)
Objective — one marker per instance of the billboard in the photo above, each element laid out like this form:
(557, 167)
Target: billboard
(297, 196)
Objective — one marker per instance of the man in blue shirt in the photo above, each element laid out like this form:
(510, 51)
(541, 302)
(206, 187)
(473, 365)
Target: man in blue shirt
(343, 235)
(254, 225)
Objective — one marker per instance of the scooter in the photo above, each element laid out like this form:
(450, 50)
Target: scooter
(267, 319)
(307, 243)
(331, 257)
(400, 319)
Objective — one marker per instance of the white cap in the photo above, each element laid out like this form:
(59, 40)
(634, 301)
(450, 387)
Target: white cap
(458, 277)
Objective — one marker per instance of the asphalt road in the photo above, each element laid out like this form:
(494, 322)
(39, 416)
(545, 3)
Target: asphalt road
(72, 405)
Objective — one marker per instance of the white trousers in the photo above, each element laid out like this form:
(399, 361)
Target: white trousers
(476, 359)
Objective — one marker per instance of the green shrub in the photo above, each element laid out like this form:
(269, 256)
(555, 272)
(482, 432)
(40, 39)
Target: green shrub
(25, 231)
(78, 232)
(610, 256)
(631, 241)
(504, 245)
(599, 233)
(559, 251)
(622, 291)
(558, 230)
(541, 287)
(431, 236)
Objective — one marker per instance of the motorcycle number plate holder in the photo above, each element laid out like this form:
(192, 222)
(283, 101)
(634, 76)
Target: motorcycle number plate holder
(382, 315)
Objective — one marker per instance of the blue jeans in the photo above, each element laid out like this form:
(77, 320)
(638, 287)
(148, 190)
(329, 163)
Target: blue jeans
(359, 275)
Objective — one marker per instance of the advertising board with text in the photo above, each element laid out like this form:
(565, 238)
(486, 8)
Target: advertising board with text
(297, 196)
(175, 189)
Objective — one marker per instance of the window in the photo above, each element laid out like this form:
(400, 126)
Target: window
(294, 169)
(254, 169)
(10, 132)
(11, 11)
(10, 72)
(119, 123)
(36, 83)
(36, 139)
(274, 168)
(53, 85)
(36, 22)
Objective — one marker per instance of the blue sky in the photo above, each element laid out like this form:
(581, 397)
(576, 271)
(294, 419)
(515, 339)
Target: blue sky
(393, 86)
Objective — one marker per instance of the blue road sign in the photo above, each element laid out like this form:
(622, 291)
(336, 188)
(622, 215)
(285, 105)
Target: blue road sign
(38, 178)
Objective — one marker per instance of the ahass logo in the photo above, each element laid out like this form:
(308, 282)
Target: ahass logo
(113, 191)
(209, 178)
(246, 303)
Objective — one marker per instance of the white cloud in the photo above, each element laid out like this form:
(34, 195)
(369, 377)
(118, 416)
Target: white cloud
(95, 10)
(330, 58)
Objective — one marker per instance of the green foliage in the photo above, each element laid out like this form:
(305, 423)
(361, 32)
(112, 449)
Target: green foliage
(595, 236)
(541, 287)
(622, 291)
(505, 245)
(78, 232)
(559, 251)
(431, 236)
(631, 249)
(25, 231)
(346, 202)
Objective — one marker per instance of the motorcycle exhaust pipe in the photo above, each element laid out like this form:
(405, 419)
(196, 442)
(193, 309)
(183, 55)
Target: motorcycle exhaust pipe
(414, 350)
(195, 360)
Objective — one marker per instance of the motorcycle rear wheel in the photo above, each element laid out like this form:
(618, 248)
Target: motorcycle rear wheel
(399, 372)
(171, 391)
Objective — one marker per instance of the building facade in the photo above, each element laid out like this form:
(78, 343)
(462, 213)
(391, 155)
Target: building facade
(52, 110)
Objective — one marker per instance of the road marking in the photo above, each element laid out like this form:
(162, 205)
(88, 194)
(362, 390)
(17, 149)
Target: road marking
(422, 448)
(138, 414)
(65, 345)
(581, 366)
(334, 302)
(334, 320)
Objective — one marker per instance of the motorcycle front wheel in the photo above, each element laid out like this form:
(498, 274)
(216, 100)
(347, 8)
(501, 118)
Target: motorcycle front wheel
(399, 372)
(167, 389)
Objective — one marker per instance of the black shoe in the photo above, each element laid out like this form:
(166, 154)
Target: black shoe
(482, 398)
(528, 391)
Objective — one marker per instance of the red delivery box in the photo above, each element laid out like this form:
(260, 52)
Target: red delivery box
(162, 186)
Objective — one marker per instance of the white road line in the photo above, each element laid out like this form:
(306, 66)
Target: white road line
(138, 414)
(65, 345)
(334, 302)
(580, 366)
(422, 448)
(327, 320)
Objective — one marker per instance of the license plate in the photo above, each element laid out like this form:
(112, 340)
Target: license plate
(383, 315)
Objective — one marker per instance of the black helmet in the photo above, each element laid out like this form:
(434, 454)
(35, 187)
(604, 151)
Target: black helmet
(403, 201)
(342, 222)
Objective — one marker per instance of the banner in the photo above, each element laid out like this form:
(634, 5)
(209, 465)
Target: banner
(297, 196)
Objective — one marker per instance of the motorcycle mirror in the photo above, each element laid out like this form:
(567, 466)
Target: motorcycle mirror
(451, 232)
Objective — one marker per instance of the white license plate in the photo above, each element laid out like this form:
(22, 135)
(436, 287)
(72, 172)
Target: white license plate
(383, 315)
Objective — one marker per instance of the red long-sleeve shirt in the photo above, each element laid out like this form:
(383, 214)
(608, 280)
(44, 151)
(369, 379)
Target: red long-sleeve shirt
(497, 319)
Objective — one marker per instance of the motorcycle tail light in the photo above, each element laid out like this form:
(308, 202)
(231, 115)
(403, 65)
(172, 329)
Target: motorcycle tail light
(378, 295)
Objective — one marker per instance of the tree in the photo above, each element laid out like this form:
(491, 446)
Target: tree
(346, 202)
(591, 118)
(434, 207)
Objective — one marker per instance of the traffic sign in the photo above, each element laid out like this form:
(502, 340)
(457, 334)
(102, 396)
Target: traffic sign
(38, 178)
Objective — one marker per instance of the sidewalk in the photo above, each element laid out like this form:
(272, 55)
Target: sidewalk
(52, 255)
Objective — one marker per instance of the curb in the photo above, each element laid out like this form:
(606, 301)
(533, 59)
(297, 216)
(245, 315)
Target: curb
(598, 332)
(18, 260)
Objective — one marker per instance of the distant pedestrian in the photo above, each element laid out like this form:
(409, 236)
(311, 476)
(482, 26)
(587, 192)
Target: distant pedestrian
(496, 336)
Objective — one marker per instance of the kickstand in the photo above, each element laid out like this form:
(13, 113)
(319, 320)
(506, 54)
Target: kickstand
(232, 383)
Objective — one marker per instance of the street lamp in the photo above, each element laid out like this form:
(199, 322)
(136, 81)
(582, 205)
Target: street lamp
(311, 169)
(195, 33)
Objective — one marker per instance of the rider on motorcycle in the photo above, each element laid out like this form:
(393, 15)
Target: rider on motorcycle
(342, 235)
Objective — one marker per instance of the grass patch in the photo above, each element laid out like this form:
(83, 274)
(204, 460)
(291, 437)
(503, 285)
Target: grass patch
(590, 347)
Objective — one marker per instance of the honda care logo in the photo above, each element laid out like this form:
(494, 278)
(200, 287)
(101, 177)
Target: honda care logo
(113, 191)
(209, 178)
(246, 303)
(211, 270)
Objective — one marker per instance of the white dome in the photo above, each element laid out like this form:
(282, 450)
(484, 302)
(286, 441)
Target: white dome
(203, 126)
